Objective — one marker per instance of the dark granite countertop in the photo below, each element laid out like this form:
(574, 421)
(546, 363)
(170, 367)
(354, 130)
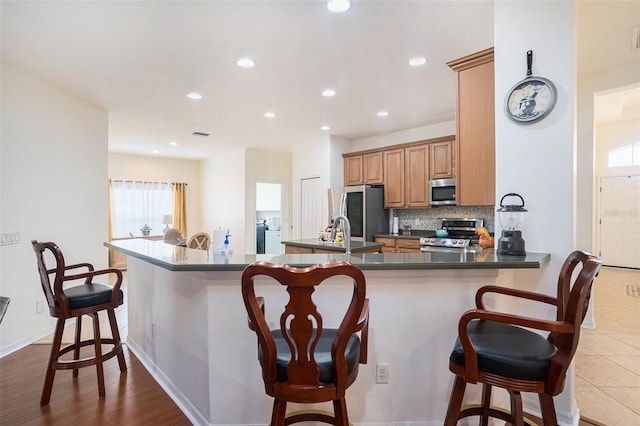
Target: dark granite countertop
(356, 246)
(415, 235)
(175, 258)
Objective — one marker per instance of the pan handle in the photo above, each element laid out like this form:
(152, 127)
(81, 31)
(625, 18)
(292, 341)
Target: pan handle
(529, 61)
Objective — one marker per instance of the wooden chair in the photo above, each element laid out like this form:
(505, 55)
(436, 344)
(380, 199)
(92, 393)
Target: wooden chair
(88, 298)
(494, 349)
(325, 361)
(172, 236)
(199, 241)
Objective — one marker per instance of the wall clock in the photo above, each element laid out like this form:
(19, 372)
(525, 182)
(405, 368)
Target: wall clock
(530, 99)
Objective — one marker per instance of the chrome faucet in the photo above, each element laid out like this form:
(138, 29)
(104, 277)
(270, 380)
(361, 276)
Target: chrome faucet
(346, 232)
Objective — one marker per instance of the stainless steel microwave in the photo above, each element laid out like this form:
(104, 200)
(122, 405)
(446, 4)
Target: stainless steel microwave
(442, 192)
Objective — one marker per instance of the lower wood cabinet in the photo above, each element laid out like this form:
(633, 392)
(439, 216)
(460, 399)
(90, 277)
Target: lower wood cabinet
(297, 250)
(289, 249)
(399, 245)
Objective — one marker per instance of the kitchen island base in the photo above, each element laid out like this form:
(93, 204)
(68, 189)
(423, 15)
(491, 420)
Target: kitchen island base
(189, 328)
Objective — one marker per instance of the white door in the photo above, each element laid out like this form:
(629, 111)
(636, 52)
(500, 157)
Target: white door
(311, 199)
(619, 226)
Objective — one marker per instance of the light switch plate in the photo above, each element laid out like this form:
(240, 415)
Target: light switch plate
(7, 238)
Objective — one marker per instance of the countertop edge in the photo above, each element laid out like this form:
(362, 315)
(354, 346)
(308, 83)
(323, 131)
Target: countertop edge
(387, 262)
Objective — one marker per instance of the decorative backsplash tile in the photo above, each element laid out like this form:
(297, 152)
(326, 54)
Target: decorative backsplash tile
(427, 218)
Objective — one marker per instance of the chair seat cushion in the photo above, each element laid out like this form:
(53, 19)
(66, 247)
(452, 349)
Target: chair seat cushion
(322, 354)
(507, 350)
(86, 295)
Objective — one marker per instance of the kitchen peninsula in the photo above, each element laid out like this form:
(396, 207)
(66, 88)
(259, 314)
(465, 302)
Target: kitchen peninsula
(187, 324)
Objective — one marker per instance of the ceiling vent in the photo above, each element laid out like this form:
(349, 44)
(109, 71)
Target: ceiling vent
(635, 37)
(204, 135)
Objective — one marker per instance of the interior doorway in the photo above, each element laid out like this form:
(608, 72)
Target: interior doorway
(619, 223)
(269, 206)
(617, 168)
(311, 206)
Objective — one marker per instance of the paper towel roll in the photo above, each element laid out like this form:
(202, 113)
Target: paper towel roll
(394, 231)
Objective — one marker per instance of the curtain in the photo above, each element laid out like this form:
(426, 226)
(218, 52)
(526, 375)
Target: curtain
(180, 207)
(135, 204)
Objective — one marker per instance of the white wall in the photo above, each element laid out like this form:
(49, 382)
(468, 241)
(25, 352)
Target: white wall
(310, 159)
(160, 169)
(269, 167)
(445, 128)
(538, 160)
(223, 197)
(53, 188)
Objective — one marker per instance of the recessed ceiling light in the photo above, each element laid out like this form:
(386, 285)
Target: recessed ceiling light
(417, 61)
(173, 143)
(246, 63)
(328, 93)
(383, 113)
(325, 128)
(155, 151)
(269, 114)
(338, 6)
(194, 95)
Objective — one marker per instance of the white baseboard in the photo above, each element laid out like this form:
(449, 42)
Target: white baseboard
(174, 393)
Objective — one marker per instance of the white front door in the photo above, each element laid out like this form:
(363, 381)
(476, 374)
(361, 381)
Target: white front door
(619, 226)
(311, 199)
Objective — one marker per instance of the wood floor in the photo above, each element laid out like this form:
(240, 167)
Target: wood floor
(133, 398)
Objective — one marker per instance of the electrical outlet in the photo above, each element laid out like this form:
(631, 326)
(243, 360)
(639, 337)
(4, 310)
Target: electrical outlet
(154, 329)
(39, 306)
(382, 373)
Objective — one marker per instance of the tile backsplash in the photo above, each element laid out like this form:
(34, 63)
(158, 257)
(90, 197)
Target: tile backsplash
(427, 218)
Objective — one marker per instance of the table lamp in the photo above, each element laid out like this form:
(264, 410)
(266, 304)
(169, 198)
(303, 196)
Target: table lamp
(167, 220)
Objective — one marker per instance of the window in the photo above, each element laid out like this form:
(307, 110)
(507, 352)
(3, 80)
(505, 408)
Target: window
(135, 204)
(625, 155)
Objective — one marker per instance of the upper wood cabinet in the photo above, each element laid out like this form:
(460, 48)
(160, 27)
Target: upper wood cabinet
(475, 129)
(406, 175)
(353, 170)
(363, 169)
(394, 178)
(404, 170)
(373, 169)
(441, 160)
(416, 170)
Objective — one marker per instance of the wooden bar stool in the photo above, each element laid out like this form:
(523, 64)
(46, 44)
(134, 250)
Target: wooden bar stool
(88, 298)
(302, 361)
(494, 349)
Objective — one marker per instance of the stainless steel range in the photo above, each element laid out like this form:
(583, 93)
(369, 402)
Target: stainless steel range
(461, 233)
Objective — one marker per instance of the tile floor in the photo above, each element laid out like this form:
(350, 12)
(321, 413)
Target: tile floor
(607, 362)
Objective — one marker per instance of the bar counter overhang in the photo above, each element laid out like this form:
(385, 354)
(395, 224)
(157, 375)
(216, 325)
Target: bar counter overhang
(188, 325)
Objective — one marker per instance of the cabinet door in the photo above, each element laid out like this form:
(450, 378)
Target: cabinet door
(440, 160)
(389, 244)
(416, 176)
(373, 172)
(353, 170)
(475, 124)
(394, 179)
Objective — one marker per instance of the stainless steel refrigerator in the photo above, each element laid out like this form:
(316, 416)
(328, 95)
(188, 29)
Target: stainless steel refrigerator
(363, 205)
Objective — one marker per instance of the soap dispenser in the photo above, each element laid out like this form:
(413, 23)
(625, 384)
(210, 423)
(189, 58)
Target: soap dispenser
(226, 248)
